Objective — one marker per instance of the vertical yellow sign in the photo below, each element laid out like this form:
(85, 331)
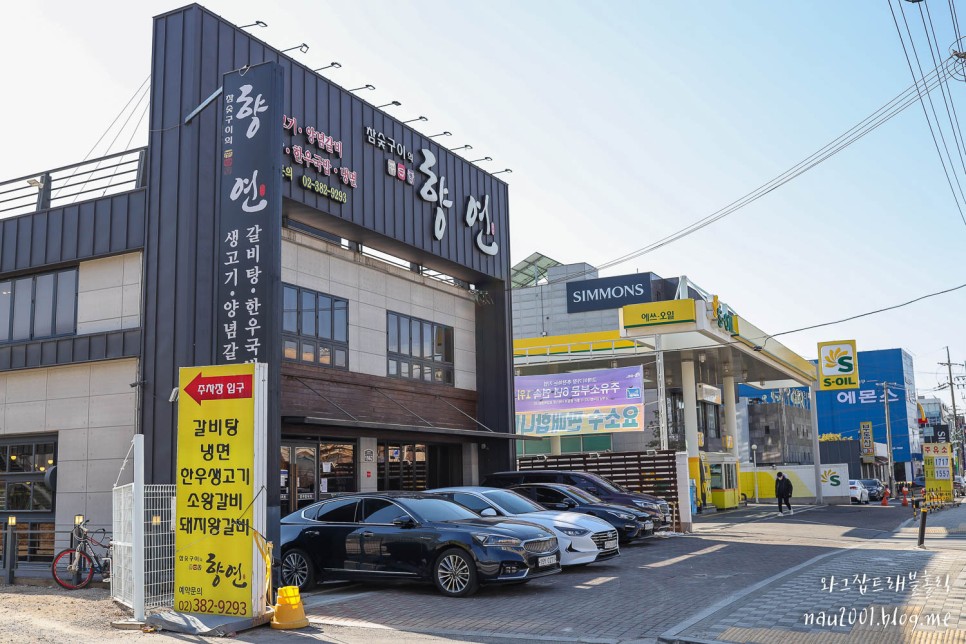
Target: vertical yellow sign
(214, 568)
(867, 444)
(838, 365)
(937, 462)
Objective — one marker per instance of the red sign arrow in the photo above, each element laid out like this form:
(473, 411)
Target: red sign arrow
(219, 387)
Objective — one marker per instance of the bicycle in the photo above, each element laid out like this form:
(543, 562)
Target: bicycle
(74, 568)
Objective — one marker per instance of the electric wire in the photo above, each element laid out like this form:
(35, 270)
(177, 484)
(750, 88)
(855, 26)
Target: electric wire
(867, 125)
(944, 88)
(925, 112)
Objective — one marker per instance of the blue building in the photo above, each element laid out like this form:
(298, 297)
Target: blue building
(842, 412)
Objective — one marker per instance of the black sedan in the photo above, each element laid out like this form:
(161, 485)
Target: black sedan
(875, 488)
(631, 522)
(403, 535)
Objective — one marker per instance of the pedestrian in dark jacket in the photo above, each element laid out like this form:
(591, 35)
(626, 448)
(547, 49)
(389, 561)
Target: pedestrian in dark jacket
(783, 492)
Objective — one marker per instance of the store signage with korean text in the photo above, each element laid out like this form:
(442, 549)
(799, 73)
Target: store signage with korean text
(865, 397)
(433, 189)
(321, 154)
(249, 245)
(838, 366)
(588, 402)
(657, 313)
(937, 463)
(867, 443)
(220, 496)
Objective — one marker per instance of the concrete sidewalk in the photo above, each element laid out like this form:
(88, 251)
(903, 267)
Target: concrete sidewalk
(886, 590)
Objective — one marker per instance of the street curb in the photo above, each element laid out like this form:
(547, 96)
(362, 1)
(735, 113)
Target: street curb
(671, 636)
(488, 634)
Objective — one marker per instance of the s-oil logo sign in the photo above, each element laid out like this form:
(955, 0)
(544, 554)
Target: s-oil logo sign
(838, 366)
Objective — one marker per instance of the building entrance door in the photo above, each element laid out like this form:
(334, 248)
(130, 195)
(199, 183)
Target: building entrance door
(413, 467)
(310, 472)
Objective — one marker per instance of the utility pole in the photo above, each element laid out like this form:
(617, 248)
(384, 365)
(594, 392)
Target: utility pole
(952, 396)
(885, 400)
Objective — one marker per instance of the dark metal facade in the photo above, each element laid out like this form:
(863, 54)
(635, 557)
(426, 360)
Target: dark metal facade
(192, 48)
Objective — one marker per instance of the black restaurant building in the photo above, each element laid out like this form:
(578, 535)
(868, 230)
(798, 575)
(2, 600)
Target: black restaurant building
(273, 216)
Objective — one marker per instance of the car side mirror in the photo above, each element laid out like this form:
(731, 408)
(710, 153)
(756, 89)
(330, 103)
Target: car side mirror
(405, 521)
(569, 503)
(488, 512)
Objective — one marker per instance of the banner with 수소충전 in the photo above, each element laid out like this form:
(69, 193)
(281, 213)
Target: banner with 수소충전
(586, 402)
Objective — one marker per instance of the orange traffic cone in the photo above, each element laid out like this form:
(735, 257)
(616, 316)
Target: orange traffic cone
(289, 612)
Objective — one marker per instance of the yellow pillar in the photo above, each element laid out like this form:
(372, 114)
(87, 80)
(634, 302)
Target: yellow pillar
(690, 396)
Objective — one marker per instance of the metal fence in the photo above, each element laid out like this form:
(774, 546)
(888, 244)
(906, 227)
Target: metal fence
(158, 552)
(108, 175)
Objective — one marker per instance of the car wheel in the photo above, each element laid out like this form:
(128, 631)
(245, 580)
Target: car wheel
(455, 574)
(298, 570)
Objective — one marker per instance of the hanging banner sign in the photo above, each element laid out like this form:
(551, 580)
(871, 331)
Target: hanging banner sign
(838, 365)
(867, 444)
(220, 494)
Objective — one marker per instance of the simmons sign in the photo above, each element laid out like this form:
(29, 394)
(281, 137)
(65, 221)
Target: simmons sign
(608, 292)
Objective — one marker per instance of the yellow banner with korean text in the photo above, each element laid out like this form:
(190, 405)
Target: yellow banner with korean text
(214, 564)
(658, 313)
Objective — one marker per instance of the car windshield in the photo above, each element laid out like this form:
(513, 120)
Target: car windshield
(437, 510)
(511, 502)
(607, 485)
(583, 495)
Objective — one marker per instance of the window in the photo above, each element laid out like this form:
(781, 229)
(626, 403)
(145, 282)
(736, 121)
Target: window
(23, 466)
(471, 501)
(419, 350)
(380, 511)
(339, 511)
(549, 496)
(40, 306)
(315, 328)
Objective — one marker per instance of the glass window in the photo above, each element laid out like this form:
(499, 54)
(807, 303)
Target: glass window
(570, 444)
(392, 332)
(18, 495)
(43, 456)
(416, 329)
(308, 352)
(549, 495)
(66, 302)
(598, 443)
(22, 296)
(471, 501)
(338, 511)
(6, 297)
(380, 511)
(322, 321)
(511, 502)
(325, 317)
(21, 458)
(23, 465)
(340, 321)
(429, 345)
(438, 510)
(290, 310)
(44, 306)
(307, 313)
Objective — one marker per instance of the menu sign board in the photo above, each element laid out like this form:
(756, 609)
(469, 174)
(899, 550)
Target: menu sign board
(220, 484)
(250, 214)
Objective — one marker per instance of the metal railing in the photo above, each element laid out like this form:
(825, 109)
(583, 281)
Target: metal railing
(579, 350)
(108, 175)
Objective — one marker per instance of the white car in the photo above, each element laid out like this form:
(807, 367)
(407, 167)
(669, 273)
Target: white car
(583, 539)
(860, 493)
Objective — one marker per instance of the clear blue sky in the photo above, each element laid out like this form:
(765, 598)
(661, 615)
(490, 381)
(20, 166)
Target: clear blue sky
(622, 122)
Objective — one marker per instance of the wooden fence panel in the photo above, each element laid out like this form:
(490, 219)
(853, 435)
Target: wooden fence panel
(653, 472)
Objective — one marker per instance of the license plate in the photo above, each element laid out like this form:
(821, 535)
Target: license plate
(546, 561)
(610, 545)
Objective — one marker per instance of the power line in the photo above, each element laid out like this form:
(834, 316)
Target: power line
(925, 113)
(944, 87)
(867, 125)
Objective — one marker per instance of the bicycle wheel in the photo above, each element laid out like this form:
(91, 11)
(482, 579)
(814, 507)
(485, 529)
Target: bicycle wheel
(72, 569)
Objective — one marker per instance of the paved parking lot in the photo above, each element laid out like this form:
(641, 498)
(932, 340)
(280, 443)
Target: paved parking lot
(641, 594)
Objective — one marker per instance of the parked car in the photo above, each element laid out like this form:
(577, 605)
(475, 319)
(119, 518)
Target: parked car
(582, 538)
(629, 521)
(875, 487)
(858, 491)
(407, 535)
(587, 481)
